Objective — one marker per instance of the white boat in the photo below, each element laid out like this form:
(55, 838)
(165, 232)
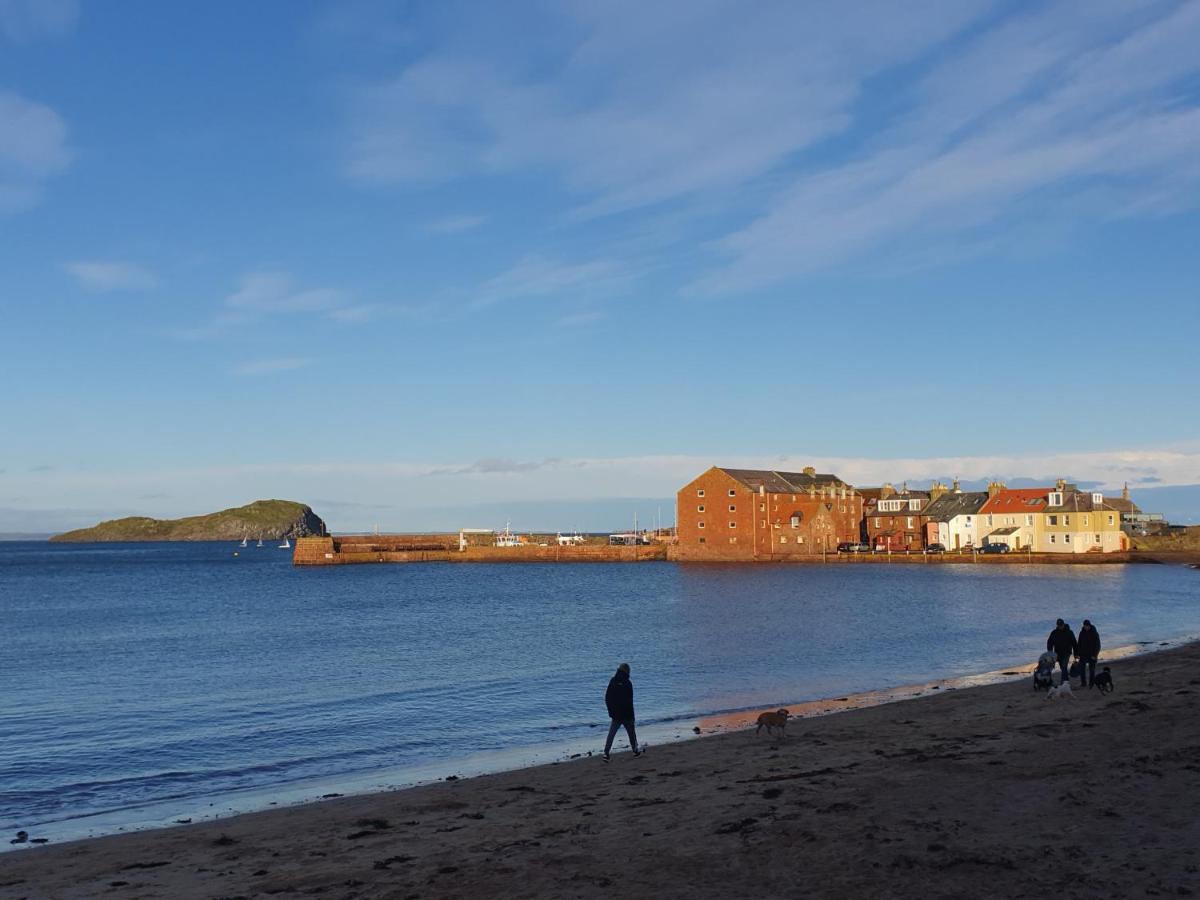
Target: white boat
(243, 543)
(260, 542)
(507, 539)
(286, 545)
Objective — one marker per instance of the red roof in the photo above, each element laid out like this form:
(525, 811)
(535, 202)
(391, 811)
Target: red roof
(1017, 500)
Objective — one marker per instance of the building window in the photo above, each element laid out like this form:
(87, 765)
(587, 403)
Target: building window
(908, 522)
(762, 507)
(764, 523)
(989, 520)
(1066, 539)
(1085, 521)
(700, 492)
(732, 507)
(800, 539)
(783, 539)
(733, 524)
(1053, 520)
(1097, 539)
(1029, 520)
(1110, 520)
(1052, 538)
(700, 508)
(1066, 520)
(732, 492)
(733, 540)
(795, 521)
(876, 523)
(968, 521)
(702, 540)
(699, 524)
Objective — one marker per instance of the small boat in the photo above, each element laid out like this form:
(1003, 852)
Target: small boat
(286, 545)
(260, 543)
(243, 543)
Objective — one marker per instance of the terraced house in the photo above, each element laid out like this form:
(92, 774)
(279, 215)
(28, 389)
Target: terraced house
(1076, 521)
(1013, 516)
(952, 519)
(893, 520)
(748, 514)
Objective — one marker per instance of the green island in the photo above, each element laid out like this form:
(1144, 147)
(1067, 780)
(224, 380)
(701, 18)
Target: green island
(260, 520)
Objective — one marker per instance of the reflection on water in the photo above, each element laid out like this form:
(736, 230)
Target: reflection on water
(156, 671)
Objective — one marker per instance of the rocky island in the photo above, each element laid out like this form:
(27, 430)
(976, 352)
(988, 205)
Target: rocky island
(262, 519)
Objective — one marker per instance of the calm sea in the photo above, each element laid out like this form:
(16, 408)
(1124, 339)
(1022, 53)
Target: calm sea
(143, 681)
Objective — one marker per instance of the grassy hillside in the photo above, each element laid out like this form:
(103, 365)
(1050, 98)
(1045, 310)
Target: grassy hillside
(266, 519)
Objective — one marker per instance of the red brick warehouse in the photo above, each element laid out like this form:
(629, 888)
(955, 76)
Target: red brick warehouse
(754, 514)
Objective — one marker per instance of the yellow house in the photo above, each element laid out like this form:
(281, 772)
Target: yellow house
(1075, 521)
(1013, 516)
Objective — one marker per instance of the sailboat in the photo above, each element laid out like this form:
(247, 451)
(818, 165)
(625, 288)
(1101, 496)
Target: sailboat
(243, 543)
(286, 545)
(260, 542)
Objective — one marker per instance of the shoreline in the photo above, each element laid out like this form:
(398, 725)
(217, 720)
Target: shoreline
(229, 805)
(376, 788)
(929, 797)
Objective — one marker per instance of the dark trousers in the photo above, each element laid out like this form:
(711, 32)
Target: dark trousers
(1064, 663)
(612, 732)
(1087, 670)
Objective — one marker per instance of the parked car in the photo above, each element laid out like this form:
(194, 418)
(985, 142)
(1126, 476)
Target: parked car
(995, 548)
(848, 547)
(936, 548)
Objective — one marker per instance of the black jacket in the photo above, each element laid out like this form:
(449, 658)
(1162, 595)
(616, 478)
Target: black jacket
(1061, 641)
(1088, 645)
(619, 698)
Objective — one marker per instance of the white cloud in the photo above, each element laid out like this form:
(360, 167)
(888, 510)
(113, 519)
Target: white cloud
(537, 276)
(1043, 106)
(272, 366)
(32, 149)
(455, 224)
(276, 292)
(641, 104)
(98, 275)
(24, 20)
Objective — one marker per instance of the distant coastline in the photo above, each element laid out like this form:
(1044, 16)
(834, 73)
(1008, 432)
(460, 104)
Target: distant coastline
(261, 520)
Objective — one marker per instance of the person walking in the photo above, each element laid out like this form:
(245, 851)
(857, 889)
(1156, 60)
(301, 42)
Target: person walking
(1087, 651)
(1062, 644)
(619, 700)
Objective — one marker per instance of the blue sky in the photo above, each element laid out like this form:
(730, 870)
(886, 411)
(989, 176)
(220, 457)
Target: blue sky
(419, 258)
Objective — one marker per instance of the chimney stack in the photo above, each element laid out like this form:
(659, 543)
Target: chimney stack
(1060, 485)
(937, 489)
(954, 487)
(809, 471)
(995, 487)
(886, 491)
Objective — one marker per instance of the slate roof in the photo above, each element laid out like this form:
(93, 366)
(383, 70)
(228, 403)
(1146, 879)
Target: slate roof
(947, 506)
(783, 482)
(1079, 501)
(1120, 504)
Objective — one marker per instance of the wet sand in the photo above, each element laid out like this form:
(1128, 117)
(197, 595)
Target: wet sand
(983, 791)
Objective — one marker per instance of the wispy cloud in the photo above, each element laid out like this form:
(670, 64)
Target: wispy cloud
(537, 276)
(33, 147)
(272, 366)
(276, 292)
(96, 275)
(24, 20)
(455, 224)
(784, 79)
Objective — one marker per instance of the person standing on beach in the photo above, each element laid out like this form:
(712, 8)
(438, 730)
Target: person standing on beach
(1062, 644)
(619, 700)
(1088, 651)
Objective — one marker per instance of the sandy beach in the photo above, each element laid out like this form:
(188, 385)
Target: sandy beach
(982, 791)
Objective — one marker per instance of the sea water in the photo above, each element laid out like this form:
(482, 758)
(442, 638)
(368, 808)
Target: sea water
(142, 681)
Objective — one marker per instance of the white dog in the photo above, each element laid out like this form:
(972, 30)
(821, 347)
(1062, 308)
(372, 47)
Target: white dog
(1062, 692)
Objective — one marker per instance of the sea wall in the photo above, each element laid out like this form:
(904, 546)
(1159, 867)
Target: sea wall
(334, 551)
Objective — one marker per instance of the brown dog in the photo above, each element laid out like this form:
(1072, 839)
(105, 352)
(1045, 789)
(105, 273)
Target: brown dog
(773, 720)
